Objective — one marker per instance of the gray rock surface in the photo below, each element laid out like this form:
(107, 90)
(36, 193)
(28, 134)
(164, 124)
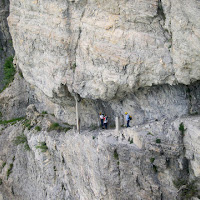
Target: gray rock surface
(192, 145)
(136, 56)
(103, 50)
(148, 104)
(6, 48)
(15, 99)
(95, 165)
(109, 53)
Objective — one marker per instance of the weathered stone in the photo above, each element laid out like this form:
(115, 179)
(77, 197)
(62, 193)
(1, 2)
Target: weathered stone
(6, 48)
(192, 144)
(101, 50)
(78, 166)
(15, 99)
(140, 57)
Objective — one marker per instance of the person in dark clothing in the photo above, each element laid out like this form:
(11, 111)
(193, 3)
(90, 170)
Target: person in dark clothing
(105, 121)
(127, 119)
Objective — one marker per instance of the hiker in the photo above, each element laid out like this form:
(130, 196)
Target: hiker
(128, 118)
(105, 121)
(101, 118)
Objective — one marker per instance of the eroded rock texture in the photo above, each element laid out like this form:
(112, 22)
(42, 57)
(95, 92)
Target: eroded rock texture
(116, 56)
(106, 49)
(140, 163)
(15, 99)
(6, 48)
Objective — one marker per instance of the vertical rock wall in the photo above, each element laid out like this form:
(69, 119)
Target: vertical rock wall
(6, 46)
(106, 49)
(117, 55)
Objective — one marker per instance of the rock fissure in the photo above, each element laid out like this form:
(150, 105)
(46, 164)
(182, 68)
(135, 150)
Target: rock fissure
(160, 11)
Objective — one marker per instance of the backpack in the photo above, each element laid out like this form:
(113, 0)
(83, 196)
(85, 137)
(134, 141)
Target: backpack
(130, 118)
(106, 119)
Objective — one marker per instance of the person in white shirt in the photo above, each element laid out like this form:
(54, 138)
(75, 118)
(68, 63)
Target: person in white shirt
(101, 118)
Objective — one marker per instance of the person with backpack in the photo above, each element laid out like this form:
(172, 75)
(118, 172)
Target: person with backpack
(105, 121)
(101, 118)
(128, 118)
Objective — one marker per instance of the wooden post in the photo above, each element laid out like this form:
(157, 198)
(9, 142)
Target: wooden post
(77, 115)
(117, 124)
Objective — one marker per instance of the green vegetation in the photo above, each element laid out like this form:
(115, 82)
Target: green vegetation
(4, 164)
(93, 137)
(44, 112)
(187, 189)
(9, 72)
(57, 127)
(179, 182)
(9, 171)
(42, 146)
(182, 129)
(4, 3)
(155, 168)
(10, 42)
(22, 139)
(54, 126)
(26, 147)
(116, 156)
(66, 124)
(130, 140)
(13, 121)
(65, 129)
(194, 113)
(27, 124)
(158, 141)
(2, 129)
(21, 75)
(73, 66)
(149, 133)
(152, 160)
(1, 115)
(1, 181)
(38, 128)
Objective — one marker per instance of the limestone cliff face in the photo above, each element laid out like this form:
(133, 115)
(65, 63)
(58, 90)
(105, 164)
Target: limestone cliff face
(15, 99)
(6, 48)
(116, 55)
(106, 49)
(99, 164)
(107, 52)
